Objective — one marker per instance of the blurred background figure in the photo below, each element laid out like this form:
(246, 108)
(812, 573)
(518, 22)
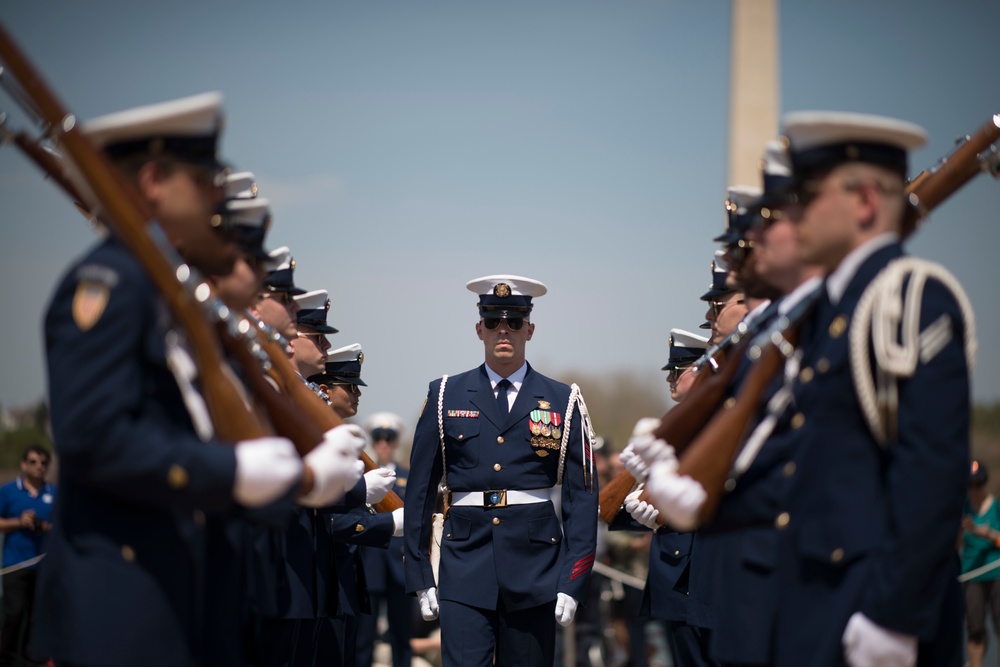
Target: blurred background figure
(979, 543)
(25, 519)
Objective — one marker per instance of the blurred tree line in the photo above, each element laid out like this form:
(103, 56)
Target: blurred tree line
(22, 427)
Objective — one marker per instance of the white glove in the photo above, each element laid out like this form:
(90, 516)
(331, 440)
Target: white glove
(565, 609)
(335, 465)
(869, 645)
(635, 465)
(265, 469)
(429, 607)
(378, 482)
(397, 522)
(640, 510)
(652, 450)
(680, 499)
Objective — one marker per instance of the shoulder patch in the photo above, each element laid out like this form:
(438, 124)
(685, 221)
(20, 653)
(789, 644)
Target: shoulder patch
(89, 302)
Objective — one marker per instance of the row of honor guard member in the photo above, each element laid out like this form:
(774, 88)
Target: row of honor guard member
(384, 567)
(121, 581)
(672, 554)
(726, 303)
(866, 571)
(352, 522)
(746, 592)
(499, 438)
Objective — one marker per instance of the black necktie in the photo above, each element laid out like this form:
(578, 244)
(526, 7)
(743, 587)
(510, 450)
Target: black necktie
(502, 406)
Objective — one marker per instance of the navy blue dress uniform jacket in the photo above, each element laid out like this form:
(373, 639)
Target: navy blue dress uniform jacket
(866, 528)
(666, 593)
(122, 583)
(523, 553)
(384, 566)
(352, 525)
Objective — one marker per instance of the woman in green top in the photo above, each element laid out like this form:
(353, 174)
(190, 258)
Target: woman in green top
(980, 546)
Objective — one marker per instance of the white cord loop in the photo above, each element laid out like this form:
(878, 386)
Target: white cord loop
(878, 391)
(444, 465)
(587, 436)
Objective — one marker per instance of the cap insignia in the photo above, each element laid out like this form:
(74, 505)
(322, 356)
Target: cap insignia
(501, 290)
(361, 357)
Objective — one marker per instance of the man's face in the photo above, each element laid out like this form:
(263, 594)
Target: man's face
(344, 398)
(776, 245)
(239, 289)
(504, 344)
(183, 198)
(385, 450)
(826, 230)
(309, 350)
(278, 311)
(34, 468)
(680, 381)
(724, 313)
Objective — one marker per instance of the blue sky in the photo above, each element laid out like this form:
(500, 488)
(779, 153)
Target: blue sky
(408, 147)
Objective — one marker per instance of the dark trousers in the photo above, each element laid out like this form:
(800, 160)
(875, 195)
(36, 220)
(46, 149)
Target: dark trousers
(18, 599)
(524, 638)
(688, 645)
(399, 611)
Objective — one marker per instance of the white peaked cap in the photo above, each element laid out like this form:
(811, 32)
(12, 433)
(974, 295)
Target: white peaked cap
(809, 129)
(198, 115)
(241, 185)
(519, 285)
(386, 420)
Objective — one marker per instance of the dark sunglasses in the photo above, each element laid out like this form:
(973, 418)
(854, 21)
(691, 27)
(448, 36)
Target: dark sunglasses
(719, 306)
(513, 323)
(284, 298)
(349, 387)
(677, 371)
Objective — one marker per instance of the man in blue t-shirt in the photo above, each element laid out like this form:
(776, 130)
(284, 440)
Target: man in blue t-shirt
(25, 518)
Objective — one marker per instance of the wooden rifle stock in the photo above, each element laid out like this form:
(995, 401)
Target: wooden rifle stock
(710, 456)
(114, 197)
(315, 410)
(932, 186)
(681, 423)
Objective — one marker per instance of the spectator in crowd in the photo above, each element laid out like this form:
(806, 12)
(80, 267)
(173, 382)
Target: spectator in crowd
(980, 538)
(26, 511)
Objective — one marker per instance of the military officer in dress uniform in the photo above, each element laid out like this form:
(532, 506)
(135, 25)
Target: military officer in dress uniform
(742, 528)
(310, 345)
(865, 555)
(384, 567)
(246, 221)
(140, 465)
(352, 522)
(673, 556)
(726, 303)
(869, 570)
(499, 437)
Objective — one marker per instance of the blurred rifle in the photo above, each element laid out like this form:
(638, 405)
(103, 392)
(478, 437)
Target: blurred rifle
(974, 154)
(697, 414)
(709, 459)
(298, 413)
(312, 408)
(684, 421)
(104, 189)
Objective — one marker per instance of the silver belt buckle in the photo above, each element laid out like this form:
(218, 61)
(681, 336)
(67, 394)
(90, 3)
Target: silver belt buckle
(497, 498)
